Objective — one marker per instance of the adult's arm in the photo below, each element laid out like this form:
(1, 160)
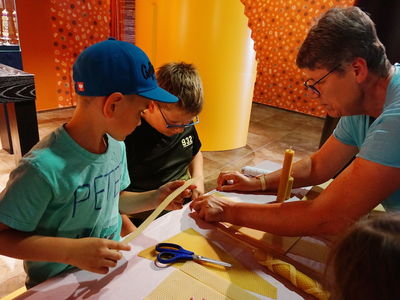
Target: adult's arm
(316, 169)
(354, 192)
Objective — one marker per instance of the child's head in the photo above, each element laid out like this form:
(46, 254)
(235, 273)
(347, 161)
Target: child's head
(183, 81)
(121, 75)
(366, 262)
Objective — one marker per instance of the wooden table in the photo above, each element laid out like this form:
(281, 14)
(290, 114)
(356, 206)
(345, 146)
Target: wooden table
(18, 121)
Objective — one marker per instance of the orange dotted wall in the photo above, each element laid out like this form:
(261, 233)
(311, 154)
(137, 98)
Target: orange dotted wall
(75, 24)
(54, 32)
(278, 29)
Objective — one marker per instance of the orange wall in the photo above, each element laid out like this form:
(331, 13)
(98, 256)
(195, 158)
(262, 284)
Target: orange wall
(37, 49)
(278, 29)
(52, 34)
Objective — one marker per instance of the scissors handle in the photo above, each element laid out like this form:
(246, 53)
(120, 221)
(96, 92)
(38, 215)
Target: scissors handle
(171, 257)
(170, 247)
(170, 253)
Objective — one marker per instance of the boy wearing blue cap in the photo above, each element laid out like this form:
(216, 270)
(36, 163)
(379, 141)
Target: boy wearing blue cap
(166, 146)
(61, 205)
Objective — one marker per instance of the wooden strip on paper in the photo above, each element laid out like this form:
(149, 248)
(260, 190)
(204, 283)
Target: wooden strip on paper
(313, 249)
(260, 239)
(221, 285)
(157, 211)
(180, 286)
(246, 237)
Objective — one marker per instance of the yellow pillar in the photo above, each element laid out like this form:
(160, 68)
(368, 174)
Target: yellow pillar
(215, 37)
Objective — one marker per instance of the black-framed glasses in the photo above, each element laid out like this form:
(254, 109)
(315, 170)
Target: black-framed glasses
(315, 93)
(195, 121)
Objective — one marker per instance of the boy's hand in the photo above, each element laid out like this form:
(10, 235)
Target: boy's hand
(199, 190)
(196, 193)
(168, 188)
(95, 254)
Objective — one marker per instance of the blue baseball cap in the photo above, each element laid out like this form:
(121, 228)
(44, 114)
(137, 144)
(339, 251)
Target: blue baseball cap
(115, 66)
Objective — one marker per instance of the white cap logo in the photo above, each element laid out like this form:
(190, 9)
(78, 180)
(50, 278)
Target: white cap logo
(81, 86)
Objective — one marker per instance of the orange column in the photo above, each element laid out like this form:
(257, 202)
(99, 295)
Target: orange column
(34, 24)
(214, 36)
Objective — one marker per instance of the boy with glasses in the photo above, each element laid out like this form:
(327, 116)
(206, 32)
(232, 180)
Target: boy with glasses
(166, 146)
(351, 76)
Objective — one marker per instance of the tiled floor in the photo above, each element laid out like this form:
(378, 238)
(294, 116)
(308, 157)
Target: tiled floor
(271, 131)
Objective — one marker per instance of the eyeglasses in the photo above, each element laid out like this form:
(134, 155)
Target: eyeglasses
(315, 93)
(169, 125)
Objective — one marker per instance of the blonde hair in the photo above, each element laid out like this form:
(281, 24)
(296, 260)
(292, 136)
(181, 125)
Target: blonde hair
(182, 80)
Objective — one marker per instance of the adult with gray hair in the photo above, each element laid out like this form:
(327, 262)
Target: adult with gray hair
(338, 38)
(349, 74)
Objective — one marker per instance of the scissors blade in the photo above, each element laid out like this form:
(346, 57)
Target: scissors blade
(210, 260)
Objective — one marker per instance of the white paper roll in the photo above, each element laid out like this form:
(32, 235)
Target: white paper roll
(252, 171)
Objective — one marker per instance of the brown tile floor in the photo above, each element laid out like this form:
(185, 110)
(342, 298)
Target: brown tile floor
(271, 131)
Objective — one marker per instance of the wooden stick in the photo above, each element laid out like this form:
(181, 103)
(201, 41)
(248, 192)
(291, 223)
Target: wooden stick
(157, 211)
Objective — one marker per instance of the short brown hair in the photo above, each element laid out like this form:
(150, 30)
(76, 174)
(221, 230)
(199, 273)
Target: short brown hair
(366, 262)
(182, 80)
(341, 35)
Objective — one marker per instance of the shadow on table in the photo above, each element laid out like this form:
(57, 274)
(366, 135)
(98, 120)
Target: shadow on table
(81, 289)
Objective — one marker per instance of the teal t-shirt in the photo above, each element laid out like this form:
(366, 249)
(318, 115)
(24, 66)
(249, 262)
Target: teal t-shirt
(60, 189)
(379, 142)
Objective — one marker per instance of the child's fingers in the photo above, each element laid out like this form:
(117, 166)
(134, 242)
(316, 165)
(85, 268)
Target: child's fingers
(109, 263)
(118, 246)
(101, 270)
(123, 246)
(113, 255)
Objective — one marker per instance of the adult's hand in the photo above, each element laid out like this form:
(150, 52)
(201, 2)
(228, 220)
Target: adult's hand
(212, 208)
(236, 181)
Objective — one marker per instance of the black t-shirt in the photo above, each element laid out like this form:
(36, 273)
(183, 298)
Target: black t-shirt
(155, 159)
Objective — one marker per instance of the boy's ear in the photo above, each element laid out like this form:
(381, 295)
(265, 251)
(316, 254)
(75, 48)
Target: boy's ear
(152, 106)
(111, 103)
